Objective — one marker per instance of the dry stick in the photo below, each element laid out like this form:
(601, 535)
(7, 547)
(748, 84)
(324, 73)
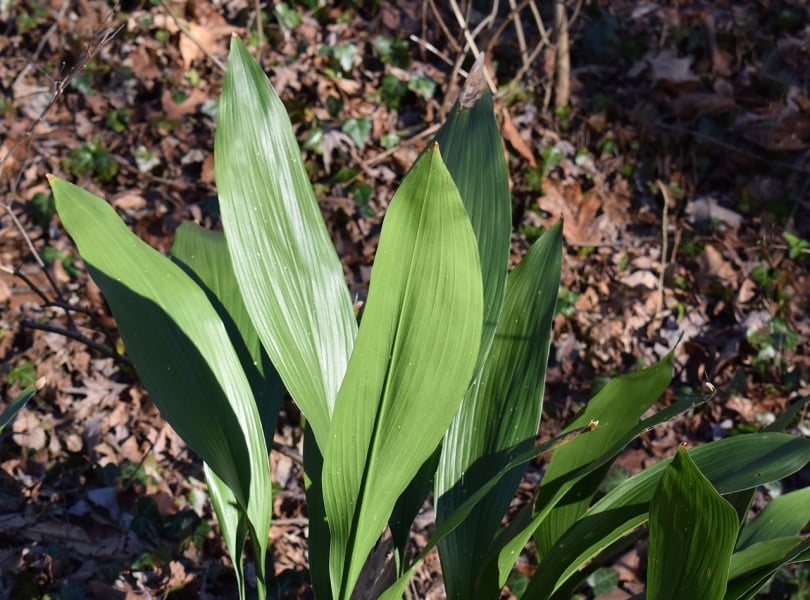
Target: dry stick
(444, 27)
(730, 147)
(187, 32)
(664, 243)
(75, 334)
(538, 20)
(427, 132)
(432, 49)
(521, 38)
(486, 21)
(496, 36)
(470, 42)
(35, 56)
(562, 84)
(259, 23)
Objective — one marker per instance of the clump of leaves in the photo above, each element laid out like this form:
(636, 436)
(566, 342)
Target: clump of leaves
(91, 158)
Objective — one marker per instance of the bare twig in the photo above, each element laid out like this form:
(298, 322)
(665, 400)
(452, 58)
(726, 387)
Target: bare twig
(665, 192)
(562, 69)
(289, 452)
(521, 37)
(35, 56)
(450, 39)
(259, 32)
(731, 147)
(431, 48)
(75, 334)
(378, 158)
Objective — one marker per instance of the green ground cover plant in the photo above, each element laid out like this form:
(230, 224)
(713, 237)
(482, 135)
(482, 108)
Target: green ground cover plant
(438, 389)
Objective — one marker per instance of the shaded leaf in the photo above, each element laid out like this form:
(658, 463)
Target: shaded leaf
(499, 417)
(692, 535)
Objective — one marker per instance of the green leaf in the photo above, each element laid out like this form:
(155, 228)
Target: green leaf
(785, 515)
(463, 511)
(180, 349)
(774, 550)
(415, 354)
(516, 537)
(204, 254)
(358, 130)
(753, 567)
(618, 407)
(733, 464)
(473, 152)
(692, 535)
(289, 275)
(233, 524)
(499, 417)
(16, 405)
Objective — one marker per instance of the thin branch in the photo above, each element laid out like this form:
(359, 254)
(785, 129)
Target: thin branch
(521, 37)
(289, 452)
(432, 49)
(79, 337)
(664, 243)
(450, 39)
(562, 66)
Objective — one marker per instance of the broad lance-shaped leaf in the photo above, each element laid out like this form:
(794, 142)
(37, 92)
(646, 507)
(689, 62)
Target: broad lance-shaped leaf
(784, 515)
(415, 353)
(473, 152)
(204, 254)
(618, 408)
(180, 348)
(692, 534)
(753, 567)
(290, 277)
(499, 417)
(733, 464)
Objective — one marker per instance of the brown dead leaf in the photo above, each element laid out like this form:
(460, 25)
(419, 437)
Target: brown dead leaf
(512, 135)
(174, 110)
(583, 224)
(201, 40)
(717, 265)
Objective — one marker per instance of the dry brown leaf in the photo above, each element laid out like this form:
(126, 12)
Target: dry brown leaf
(512, 135)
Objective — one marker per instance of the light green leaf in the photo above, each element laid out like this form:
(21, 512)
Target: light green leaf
(692, 535)
(733, 464)
(415, 354)
(288, 272)
(499, 417)
(180, 348)
(233, 524)
(618, 407)
(785, 515)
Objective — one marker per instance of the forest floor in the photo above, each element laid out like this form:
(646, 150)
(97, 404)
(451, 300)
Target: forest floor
(680, 161)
